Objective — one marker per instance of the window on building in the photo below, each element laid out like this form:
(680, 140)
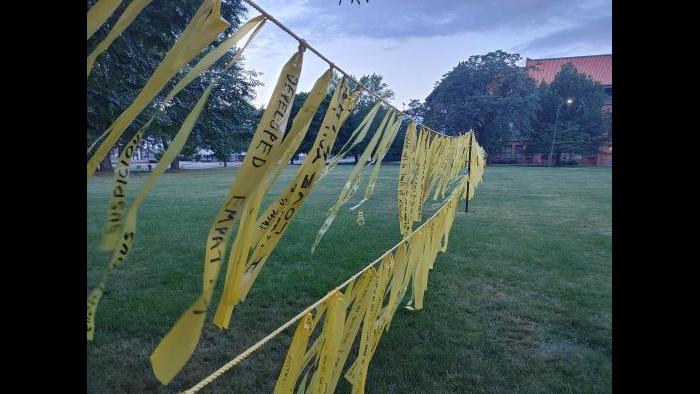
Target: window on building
(519, 152)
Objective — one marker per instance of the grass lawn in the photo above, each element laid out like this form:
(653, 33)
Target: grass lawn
(520, 302)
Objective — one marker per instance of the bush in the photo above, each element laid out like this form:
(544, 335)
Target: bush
(498, 161)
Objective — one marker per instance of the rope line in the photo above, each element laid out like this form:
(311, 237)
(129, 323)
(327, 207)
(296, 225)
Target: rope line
(308, 309)
(304, 43)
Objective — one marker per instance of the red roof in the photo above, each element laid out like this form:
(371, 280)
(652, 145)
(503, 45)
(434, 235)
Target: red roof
(598, 67)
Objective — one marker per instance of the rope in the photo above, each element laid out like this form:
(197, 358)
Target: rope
(305, 44)
(301, 314)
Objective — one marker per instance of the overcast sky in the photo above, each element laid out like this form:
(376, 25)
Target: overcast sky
(412, 43)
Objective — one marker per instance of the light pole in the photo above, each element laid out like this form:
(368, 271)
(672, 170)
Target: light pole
(551, 151)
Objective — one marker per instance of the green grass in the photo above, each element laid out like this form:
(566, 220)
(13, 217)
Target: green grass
(520, 302)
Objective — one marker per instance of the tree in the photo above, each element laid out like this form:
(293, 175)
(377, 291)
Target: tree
(487, 93)
(416, 109)
(375, 83)
(582, 126)
(308, 141)
(121, 72)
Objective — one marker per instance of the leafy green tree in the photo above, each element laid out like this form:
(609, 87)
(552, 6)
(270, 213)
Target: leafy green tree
(582, 126)
(488, 93)
(121, 72)
(375, 83)
(416, 109)
(316, 121)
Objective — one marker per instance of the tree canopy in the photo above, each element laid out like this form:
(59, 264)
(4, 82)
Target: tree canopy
(373, 82)
(582, 126)
(494, 96)
(488, 93)
(119, 73)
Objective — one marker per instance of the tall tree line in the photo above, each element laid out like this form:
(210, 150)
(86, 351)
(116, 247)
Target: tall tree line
(227, 123)
(496, 98)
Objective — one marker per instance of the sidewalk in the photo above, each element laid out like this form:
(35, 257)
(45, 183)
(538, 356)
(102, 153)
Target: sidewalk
(184, 165)
(143, 166)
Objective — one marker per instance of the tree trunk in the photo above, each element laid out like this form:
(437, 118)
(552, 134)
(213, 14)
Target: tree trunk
(175, 165)
(357, 158)
(225, 163)
(106, 165)
(557, 160)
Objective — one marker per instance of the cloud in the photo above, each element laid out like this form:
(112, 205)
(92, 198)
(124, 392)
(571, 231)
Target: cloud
(414, 42)
(401, 19)
(591, 33)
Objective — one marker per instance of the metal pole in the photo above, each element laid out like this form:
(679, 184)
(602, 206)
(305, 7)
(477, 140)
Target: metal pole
(469, 172)
(551, 151)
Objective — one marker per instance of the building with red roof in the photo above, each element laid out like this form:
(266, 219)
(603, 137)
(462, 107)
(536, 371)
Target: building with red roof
(598, 68)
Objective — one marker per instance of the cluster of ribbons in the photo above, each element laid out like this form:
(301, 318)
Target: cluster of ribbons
(365, 309)
(349, 321)
(432, 161)
(429, 161)
(206, 25)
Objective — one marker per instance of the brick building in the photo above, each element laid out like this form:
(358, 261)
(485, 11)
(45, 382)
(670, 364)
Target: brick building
(599, 68)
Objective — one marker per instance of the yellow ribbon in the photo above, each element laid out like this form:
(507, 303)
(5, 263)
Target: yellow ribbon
(99, 13)
(130, 13)
(126, 240)
(204, 27)
(177, 346)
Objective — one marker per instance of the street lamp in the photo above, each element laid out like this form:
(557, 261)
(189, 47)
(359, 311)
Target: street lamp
(551, 151)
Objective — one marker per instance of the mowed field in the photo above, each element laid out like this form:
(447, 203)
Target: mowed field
(520, 302)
